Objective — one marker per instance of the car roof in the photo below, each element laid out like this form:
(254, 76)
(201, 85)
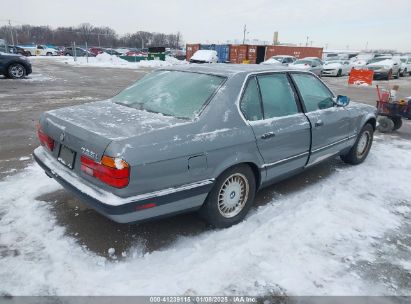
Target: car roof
(227, 70)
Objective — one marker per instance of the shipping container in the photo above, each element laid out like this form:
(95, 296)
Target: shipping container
(298, 52)
(191, 49)
(223, 52)
(207, 47)
(256, 53)
(238, 53)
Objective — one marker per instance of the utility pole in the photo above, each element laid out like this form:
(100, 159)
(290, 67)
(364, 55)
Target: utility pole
(11, 32)
(306, 43)
(244, 32)
(98, 37)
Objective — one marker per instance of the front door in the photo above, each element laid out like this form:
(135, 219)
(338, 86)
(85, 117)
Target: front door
(330, 123)
(281, 130)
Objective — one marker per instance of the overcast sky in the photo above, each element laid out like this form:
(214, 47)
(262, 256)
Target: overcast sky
(338, 24)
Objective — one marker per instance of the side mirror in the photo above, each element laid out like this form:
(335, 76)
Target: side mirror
(342, 101)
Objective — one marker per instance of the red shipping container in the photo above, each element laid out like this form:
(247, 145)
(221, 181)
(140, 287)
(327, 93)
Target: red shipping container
(252, 54)
(238, 53)
(191, 49)
(296, 51)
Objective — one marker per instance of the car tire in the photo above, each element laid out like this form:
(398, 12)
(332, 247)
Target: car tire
(404, 73)
(231, 197)
(397, 75)
(67, 54)
(397, 123)
(339, 73)
(16, 71)
(49, 54)
(385, 124)
(358, 153)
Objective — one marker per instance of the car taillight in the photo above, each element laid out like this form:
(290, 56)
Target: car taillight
(44, 139)
(111, 171)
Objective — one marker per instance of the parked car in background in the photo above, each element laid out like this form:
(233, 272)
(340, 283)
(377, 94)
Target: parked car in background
(361, 60)
(179, 54)
(78, 51)
(137, 53)
(122, 51)
(39, 50)
(311, 65)
(112, 52)
(177, 141)
(385, 67)
(405, 68)
(284, 60)
(314, 58)
(336, 67)
(14, 49)
(96, 50)
(204, 56)
(14, 66)
(3, 46)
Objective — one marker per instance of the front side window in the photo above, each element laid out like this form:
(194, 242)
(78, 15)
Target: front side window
(315, 94)
(277, 96)
(250, 103)
(172, 93)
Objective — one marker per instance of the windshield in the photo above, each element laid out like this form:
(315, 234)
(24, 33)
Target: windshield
(404, 60)
(378, 59)
(303, 62)
(278, 58)
(172, 93)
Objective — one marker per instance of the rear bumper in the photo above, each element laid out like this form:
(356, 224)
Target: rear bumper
(125, 210)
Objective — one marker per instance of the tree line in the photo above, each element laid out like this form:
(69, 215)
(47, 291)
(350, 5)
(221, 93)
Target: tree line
(86, 32)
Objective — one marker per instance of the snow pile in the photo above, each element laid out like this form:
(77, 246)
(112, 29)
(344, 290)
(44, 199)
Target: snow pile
(319, 239)
(111, 61)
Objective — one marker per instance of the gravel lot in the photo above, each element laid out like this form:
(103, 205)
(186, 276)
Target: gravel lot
(54, 85)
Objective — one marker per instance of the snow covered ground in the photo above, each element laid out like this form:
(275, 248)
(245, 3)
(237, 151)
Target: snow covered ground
(111, 61)
(342, 235)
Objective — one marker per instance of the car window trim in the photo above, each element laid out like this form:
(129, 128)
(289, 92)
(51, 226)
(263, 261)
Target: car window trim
(254, 74)
(261, 96)
(298, 90)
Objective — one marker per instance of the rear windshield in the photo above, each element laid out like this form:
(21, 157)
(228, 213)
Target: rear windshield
(172, 93)
(303, 62)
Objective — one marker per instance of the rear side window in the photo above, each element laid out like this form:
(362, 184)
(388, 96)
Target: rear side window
(250, 103)
(315, 94)
(277, 96)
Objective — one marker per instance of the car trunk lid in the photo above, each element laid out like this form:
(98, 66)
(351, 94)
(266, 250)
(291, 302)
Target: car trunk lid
(89, 128)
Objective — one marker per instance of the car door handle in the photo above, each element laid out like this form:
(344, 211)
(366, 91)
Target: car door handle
(267, 135)
(319, 123)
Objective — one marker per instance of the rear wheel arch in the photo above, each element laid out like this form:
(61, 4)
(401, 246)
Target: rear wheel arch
(254, 168)
(372, 122)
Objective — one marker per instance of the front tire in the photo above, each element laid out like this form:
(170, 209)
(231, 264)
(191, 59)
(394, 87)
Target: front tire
(339, 73)
(231, 197)
(362, 146)
(397, 75)
(16, 71)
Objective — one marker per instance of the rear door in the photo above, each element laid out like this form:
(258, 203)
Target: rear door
(282, 131)
(330, 123)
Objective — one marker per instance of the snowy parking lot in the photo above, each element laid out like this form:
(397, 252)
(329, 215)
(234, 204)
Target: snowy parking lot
(333, 230)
